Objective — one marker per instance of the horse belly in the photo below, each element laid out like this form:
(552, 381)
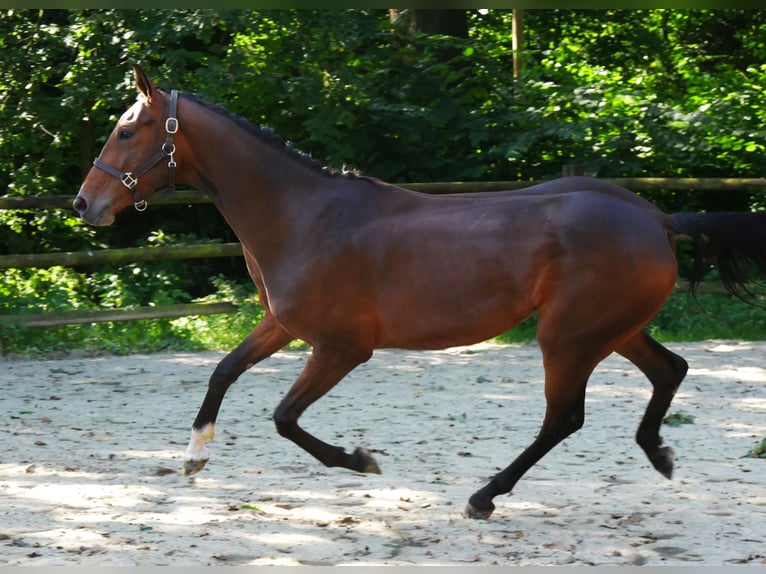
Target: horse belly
(440, 328)
(439, 304)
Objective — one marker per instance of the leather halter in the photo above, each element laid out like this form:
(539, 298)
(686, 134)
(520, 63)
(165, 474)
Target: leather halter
(130, 178)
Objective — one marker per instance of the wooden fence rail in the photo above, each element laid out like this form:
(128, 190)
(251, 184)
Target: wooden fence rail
(120, 256)
(128, 314)
(189, 196)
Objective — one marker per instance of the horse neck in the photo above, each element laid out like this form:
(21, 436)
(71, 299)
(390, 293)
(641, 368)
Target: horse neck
(258, 188)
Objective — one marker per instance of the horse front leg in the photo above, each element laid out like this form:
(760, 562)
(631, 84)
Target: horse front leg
(265, 340)
(324, 369)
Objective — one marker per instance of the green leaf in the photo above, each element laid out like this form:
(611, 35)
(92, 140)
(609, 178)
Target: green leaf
(758, 451)
(677, 419)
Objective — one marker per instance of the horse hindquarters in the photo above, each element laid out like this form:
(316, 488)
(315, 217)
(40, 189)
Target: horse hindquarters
(593, 302)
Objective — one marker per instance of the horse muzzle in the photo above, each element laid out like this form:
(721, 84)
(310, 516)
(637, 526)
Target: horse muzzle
(91, 214)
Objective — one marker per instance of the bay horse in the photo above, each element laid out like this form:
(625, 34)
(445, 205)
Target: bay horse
(350, 264)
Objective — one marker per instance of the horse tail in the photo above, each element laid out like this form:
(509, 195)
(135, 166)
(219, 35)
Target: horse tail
(734, 242)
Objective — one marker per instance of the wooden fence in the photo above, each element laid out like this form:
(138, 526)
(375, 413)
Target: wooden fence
(136, 254)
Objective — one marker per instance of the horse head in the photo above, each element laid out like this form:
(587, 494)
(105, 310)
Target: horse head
(130, 167)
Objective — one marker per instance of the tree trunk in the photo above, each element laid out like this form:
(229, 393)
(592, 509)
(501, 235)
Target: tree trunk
(87, 146)
(443, 22)
(518, 41)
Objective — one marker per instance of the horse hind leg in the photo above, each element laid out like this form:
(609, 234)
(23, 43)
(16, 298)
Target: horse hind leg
(665, 370)
(566, 378)
(266, 339)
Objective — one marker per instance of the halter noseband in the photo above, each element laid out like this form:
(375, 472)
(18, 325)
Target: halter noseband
(130, 178)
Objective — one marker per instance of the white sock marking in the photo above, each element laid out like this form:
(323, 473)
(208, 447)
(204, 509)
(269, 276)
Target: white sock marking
(196, 449)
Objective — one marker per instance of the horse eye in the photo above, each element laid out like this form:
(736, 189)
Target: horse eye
(125, 134)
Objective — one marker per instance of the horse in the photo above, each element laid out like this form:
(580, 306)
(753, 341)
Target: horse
(349, 264)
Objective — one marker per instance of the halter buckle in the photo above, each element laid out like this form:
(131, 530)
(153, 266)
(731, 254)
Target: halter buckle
(171, 125)
(128, 180)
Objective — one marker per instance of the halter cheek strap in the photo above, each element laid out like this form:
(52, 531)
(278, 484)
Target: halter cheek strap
(130, 178)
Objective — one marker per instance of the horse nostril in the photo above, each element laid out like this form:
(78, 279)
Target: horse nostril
(80, 205)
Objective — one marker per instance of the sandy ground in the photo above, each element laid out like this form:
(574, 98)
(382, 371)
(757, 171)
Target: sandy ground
(92, 449)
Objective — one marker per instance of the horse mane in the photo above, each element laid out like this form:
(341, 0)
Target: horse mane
(272, 139)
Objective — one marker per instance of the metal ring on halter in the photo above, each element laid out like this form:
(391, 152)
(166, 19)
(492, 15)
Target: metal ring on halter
(139, 202)
(171, 160)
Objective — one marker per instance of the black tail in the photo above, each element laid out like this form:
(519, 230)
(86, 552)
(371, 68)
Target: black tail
(735, 242)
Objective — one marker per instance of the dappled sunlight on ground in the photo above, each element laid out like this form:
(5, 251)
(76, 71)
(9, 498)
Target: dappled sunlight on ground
(93, 451)
(735, 374)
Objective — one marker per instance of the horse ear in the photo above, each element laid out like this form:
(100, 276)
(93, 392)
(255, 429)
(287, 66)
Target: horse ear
(143, 83)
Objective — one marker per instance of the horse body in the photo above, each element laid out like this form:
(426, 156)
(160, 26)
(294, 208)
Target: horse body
(350, 264)
(370, 259)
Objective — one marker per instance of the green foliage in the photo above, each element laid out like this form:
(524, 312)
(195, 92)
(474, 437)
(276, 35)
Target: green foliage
(716, 316)
(524, 332)
(60, 289)
(222, 331)
(141, 336)
(621, 92)
(637, 92)
(39, 290)
(713, 316)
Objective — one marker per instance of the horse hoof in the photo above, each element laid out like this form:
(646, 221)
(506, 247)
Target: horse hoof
(365, 461)
(472, 512)
(663, 461)
(193, 466)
